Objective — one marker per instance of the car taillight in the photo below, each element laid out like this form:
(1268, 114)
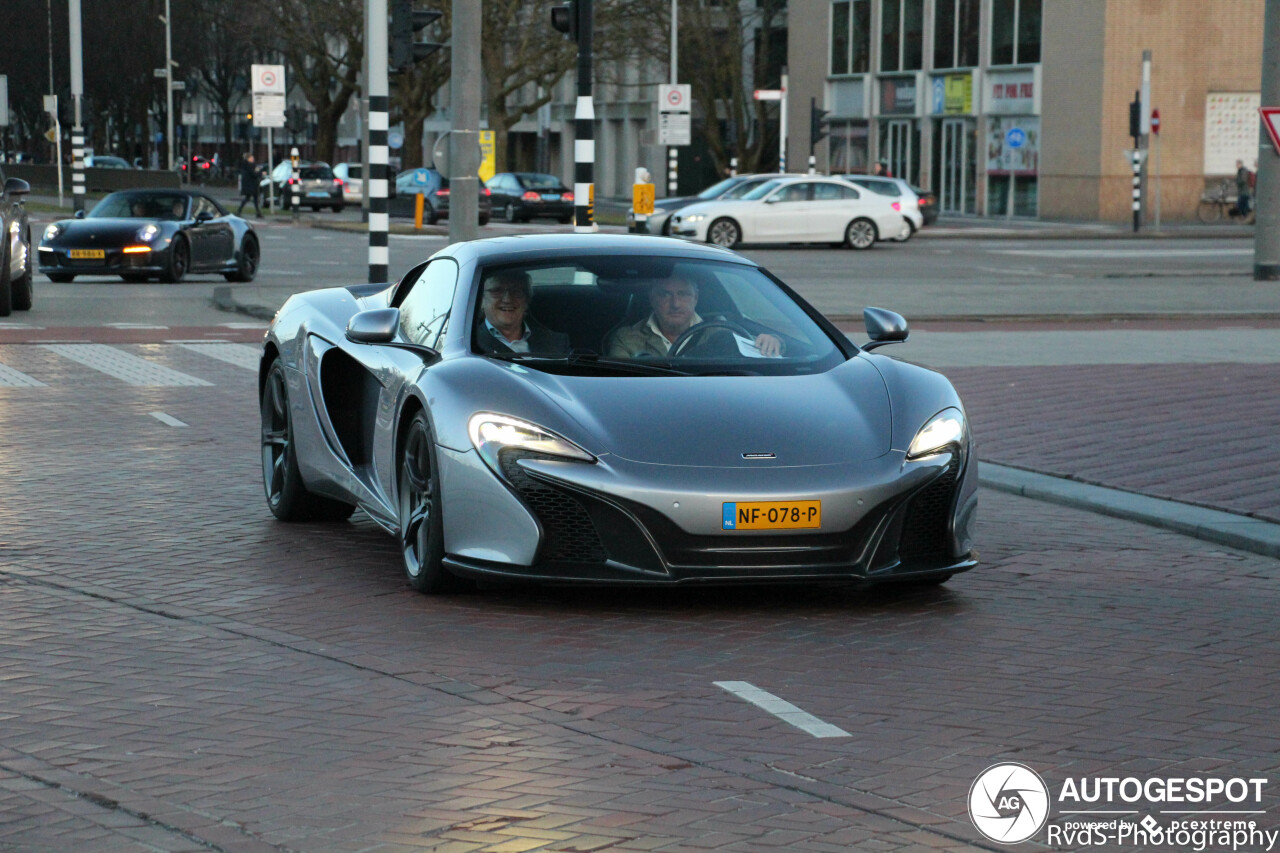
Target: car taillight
(338, 181)
(293, 180)
(925, 201)
(443, 192)
(530, 196)
(566, 196)
(897, 206)
(486, 191)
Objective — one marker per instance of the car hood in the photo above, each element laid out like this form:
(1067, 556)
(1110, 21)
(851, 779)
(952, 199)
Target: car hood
(836, 417)
(104, 231)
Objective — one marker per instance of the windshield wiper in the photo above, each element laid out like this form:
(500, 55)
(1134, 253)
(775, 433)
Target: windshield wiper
(592, 359)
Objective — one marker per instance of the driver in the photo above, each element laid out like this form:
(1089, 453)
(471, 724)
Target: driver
(673, 302)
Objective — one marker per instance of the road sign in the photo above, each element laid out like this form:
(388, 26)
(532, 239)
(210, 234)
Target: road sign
(767, 94)
(674, 129)
(1016, 137)
(4, 100)
(421, 178)
(488, 163)
(190, 118)
(51, 134)
(179, 86)
(268, 110)
(1271, 121)
(267, 79)
(674, 98)
(395, 139)
(642, 199)
(51, 104)
(1155, 121)
(160, 72)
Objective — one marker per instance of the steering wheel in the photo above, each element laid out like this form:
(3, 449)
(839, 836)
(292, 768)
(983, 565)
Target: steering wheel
(682, 343)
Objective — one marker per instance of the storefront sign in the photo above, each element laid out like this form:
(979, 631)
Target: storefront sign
(953, 94)
(1231, 126)
(1011, 92)
(898, 96)
(1013, 145)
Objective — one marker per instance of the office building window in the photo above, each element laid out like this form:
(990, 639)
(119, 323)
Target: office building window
(1015, 31)
(955, 34)
(901, 35)
(850, 36)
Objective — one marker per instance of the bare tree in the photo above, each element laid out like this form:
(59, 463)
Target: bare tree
(219, 42)
(323, 44)
(414, 91)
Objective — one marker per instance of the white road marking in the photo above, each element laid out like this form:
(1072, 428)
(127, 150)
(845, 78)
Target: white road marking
(243, 325)
(10, 378)
(1119, 253)
(419, 237)
(134, 326)
(167, 419)
(278, 272)
(13, 325)
(121, 365)
(274, 237)
(781, 709)
(327, 263)
(241, 355)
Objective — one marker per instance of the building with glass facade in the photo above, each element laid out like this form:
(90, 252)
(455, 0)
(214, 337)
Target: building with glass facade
(1020, 107)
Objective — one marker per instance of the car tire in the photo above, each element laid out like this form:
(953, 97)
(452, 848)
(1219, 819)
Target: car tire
(247, 262)
(509, 213)
(906, 235)
(6, 285)
(666, 227)
(23, 290)
(724, 232)
(337, 208)
(179, 260)
(484, 220)
(564, 220)
(61, 277)
(861, 234)
(315, 208)
(421, 525)
(287, 496)
(429, 214)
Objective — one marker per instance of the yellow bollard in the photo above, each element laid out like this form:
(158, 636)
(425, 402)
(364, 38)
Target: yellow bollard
(417, 211)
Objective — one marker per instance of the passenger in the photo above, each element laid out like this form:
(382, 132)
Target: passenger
(507, 325)
(139, 209)
(673, 302)
(179, 208)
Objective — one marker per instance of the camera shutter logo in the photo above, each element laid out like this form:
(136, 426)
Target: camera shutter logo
(1009, 803)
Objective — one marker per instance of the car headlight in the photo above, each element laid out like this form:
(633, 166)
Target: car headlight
(148, 232)
(491, 433)
(52, 230)
(695, 217)
(944, 431)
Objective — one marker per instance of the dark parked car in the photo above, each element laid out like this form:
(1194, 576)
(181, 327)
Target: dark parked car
(317, 186)
(142, 234)
(16, 263)
(521, 196)
(434, 188)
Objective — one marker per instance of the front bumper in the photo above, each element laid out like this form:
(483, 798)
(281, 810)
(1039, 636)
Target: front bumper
(900, 523)
(113, 262)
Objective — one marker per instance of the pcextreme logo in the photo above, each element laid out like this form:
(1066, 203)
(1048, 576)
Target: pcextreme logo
(1008, 803)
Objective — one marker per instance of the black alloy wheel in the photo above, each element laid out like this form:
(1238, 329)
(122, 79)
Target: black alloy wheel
(179, 260)
(287, 496)
(247, 264)
(421, 526)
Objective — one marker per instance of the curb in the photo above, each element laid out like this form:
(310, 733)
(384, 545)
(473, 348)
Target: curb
(1209, 525)
(224, 301)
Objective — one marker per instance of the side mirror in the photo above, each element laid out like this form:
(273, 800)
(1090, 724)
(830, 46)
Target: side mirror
(884, 327)
(374, 327)
(204, 216)
(773, 199)
(79, 214)
(16, 186)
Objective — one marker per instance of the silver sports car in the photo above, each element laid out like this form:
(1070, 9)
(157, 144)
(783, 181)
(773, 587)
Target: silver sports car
(614, 409)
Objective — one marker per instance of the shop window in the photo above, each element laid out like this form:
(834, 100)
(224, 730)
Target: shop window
(850, 36)
(848, 146)
(955, 28)
(1015, 31)
(901, 35)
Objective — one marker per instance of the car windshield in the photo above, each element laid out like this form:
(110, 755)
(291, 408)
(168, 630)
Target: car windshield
(141, 205)
(647, 316)
(887, 188)
(540, 182)
(353, 171)
(717, 190)
(740, 190)
(762, 190)
(314, 173)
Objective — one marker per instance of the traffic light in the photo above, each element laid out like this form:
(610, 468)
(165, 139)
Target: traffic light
(566, 18)
(817, 124)
(1135, 118)
(406, 21)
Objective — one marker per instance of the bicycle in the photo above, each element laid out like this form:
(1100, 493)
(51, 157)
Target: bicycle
(1220, 202)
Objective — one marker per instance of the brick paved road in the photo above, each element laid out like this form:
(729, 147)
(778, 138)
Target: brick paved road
(180, 672)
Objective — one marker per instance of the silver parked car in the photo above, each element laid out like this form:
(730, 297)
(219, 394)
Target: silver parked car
(760, 445)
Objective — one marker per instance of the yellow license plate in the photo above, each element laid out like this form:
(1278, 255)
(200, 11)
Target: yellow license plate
(86, 254)
(773, 515)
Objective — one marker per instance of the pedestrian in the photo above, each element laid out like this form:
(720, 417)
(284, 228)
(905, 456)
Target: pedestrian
(249, 188)
(882, 169)
(1242, 189)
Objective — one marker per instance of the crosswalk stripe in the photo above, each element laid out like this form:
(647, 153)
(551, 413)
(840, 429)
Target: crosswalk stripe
(10, 378)
(241, 355)
(129, 369)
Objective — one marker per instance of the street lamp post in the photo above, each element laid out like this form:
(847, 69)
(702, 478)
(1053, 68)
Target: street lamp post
(77, 95)
(168, 82)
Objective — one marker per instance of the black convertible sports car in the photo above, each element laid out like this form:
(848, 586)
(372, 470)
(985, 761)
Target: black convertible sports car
(143, 234)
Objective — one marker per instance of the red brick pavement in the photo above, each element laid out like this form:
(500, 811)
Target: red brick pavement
(181, 672)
